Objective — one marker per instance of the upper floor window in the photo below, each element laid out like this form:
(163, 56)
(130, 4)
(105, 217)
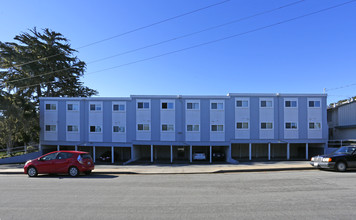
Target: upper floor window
(314, 125)
(217, 127)
(72, 128)
(143, 127)
(95, 107)
(143, 105)
(117, 129)
(167, 127)
(167, 105)
(51, 127)
(242, 125)
(193, 128)
(118, 107)
(95, 129)
(291, 125)
(51, 106)
(242, 103)
(193, 105)
(266, 104)
(290, 104)
(313, 104)
(266, 125)
(217, 105)
(72, 107)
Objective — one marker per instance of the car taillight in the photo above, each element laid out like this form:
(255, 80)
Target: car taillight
(80, 159)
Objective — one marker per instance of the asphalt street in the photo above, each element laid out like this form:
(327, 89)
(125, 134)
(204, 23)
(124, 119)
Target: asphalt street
(311, 194)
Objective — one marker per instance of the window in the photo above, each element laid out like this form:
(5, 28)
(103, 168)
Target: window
(291, 125)
(290, 104)
(118, 129)
(192, 127)
(167, 105)
(217, 105)
(95, 129)
(314, 104)
(95, 107)
(266, 125)
(143, 105)
(72, 128)
(51, 106)
(143, 127)
(72, 107)
(118, 107)
(167, 127)
(266, 104)
(217, 127)
(314, 125)
(242, 125)
(64, 155)
(242, 103)
(193, 105)
(49, 156)
(51, 127)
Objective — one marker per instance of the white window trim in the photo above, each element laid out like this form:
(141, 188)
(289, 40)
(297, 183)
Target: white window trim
(290, 100)
(95, 131)
(119, 132)
(192, 101)
(267, 100)
(167, 127)
(149, 127)
(315, 129)
(72, 104)
(115, 111)
(291, 129)
(50, 131)
(168, 101)
(314, 100)
(266, 129)
(51, 103)
(74, 131)
(217, 102)
(211, 128)
(242, 99)
(186, 128)
(96, 103)
(239, 129)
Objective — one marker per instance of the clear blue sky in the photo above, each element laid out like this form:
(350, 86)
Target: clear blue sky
(301, 56)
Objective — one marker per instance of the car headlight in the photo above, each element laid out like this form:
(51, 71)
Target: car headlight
(312, 159)
(326, 159)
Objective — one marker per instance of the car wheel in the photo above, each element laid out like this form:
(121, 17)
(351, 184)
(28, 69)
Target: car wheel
(87, 172)
(32, 172)
(341, 166)
(73, 171)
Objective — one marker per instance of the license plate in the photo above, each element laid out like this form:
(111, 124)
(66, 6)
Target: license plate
(316, 164)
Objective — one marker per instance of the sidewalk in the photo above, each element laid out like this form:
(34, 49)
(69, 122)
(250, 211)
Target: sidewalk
(184, 168)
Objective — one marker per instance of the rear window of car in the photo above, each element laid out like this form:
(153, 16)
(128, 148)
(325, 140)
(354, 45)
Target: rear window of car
(86, 156)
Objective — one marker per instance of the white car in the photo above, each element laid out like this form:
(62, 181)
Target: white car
(199, 156)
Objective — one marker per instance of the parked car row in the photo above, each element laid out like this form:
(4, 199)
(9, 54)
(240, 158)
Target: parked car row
(215, 156)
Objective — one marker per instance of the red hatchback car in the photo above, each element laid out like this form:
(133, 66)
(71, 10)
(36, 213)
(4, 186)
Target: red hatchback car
(71, 162)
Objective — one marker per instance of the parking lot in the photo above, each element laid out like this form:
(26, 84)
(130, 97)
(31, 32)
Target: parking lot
(311, 194)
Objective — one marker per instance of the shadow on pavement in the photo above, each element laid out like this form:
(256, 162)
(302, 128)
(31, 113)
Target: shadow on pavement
(92, 176)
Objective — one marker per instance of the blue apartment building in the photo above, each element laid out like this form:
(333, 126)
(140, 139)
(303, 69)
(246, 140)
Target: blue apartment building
(172, 128)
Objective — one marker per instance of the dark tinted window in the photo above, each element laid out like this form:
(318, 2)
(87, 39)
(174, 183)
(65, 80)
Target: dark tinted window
(49, 156)
(86, 156)
(64, 155)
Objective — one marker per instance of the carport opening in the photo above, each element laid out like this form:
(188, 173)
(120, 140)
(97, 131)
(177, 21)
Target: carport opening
(219, 153)
(196, 150)
(259, 152)
(142, 153)
(48, 148)
(240, 152)
(103, 154)
(181, 154)
(88, 149)
(297, 151)
(315, 149)
(162, 153)
(278, 151)
(122, 154)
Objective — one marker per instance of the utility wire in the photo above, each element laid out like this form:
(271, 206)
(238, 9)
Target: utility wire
(210, 42)
(341, 87)
(172, 39)
(131, 31)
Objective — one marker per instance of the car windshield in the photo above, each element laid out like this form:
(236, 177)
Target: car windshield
(345, 150)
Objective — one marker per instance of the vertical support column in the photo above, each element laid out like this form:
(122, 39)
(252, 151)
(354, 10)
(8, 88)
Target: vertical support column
(306, 151)
(288, 151)
(76, 147)
(171, 153)
(94, 153)
(269, 151)
(58, 148)
(151, 153)
(191, 153)
(250, 151)
(211, 154)
(112, 154)
(132, 152)
(40, 148)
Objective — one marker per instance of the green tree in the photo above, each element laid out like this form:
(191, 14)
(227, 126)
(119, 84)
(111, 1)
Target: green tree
(42, 64)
